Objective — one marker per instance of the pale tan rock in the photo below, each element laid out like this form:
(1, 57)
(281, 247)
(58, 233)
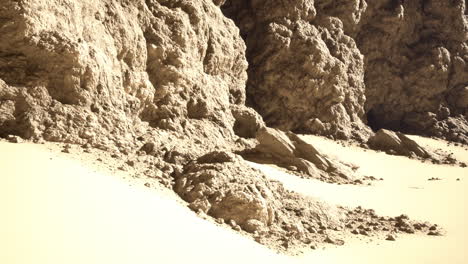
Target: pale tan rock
(231, 190)
(107, 72)
(287, 149)
(397, 143)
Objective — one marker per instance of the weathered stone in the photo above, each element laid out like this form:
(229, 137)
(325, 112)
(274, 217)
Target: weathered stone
(304, 70)
(327, 67)
(396, 142)
(105, 72)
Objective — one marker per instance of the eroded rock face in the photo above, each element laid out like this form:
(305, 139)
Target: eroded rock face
(416, 57)
(318, 66)
(164, 81)
(289, 151)
(305, 74)
(91, 72)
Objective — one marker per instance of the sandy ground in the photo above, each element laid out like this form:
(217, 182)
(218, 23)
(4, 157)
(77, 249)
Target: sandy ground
(55, 209)
(405, 189)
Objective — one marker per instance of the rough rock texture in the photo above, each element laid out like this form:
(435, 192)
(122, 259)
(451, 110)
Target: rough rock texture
(416, 57)
(305, 74)
(318, 66)
(289, 151)
(221, 185)
(91, 72)
(164, 82)
(397, 143)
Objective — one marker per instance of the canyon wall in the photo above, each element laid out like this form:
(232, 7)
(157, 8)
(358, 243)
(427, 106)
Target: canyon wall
(106, 73)
(328, 67)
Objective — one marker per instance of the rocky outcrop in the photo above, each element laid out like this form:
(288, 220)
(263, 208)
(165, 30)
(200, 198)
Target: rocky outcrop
(164, 82)
(223, 186)
(397, 143)
(220, 184)
(106, 72)
(305, 74)
(290, 151)
(326, 67)
(416, 60)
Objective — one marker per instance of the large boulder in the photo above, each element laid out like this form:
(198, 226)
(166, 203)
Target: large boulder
(397, 143)
(287, 149)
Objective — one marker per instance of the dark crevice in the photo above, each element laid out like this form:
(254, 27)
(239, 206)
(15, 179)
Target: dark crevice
(372, 120)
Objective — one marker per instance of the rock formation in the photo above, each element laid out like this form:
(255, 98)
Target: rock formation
(305, 74)
(397, 143)
(416, 58)
(326, 67)
(169, 80)
(105, 72)
(290, 151)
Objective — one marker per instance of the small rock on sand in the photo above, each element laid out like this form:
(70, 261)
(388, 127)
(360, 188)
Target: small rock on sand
(334, 241)
(14, 139)
(434, 233)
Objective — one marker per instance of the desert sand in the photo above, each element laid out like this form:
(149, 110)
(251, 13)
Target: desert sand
(176, 131)
(61, 208)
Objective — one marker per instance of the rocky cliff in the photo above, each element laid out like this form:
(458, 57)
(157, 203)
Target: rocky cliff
(188, 83)
(327, 67)
(108, 72)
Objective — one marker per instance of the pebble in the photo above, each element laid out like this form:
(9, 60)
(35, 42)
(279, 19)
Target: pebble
(390, 237)
(232, 223)
(66, 148)
(433, 179)
(252, 225)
